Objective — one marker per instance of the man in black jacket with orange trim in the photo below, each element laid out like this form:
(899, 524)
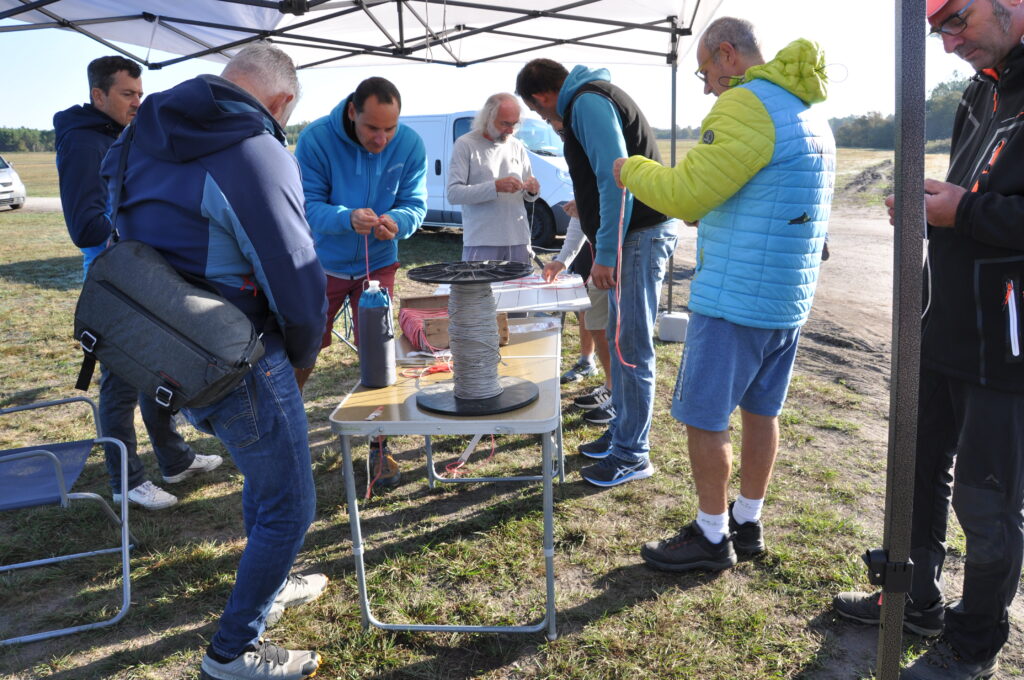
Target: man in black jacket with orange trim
(971, 402)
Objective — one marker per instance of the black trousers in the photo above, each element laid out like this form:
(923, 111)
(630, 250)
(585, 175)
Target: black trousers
(983, 430)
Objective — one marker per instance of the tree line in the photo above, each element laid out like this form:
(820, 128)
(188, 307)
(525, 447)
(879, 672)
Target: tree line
(872, 130)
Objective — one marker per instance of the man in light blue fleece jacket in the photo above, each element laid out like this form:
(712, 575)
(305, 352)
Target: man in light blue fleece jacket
(365, 179)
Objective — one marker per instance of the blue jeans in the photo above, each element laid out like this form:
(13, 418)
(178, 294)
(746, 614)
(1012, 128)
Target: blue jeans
(117, 419)
(645, 255)
(263, 426)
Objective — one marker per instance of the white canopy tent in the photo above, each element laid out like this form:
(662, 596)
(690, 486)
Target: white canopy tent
(462, 33)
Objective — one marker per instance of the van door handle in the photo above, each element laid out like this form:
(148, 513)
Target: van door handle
(437, 166)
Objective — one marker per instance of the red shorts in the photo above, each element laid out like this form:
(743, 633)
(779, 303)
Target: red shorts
(338, 289)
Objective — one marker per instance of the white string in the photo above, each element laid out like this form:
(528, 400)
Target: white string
(473, 338)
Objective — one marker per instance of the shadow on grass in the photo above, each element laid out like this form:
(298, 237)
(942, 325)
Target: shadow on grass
(56, 273)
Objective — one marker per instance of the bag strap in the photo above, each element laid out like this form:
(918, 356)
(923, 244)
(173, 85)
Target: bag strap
(122, 162)
(88, 340)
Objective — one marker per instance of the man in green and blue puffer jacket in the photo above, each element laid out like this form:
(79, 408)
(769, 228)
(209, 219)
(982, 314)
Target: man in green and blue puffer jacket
(760, 184)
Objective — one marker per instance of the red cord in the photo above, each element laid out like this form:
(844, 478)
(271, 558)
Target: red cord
(380, 468)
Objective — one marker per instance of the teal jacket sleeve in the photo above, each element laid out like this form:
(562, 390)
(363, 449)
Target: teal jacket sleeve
(410, 206)
(596, 124)
(323, 216)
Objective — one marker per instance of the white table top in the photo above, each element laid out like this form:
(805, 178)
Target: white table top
(532, 294)
(533, 356)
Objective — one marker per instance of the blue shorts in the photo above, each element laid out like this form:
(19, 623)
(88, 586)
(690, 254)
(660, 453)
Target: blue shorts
(725, 365)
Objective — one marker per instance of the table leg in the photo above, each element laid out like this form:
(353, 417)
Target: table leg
(429, 450)
(547, 446)
(353, 520)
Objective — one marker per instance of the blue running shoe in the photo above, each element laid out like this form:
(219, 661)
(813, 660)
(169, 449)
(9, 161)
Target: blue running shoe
(599, 448)
(609, 472)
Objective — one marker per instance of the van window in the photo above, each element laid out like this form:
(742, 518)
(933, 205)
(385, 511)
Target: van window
(461, 127)
(540, 138)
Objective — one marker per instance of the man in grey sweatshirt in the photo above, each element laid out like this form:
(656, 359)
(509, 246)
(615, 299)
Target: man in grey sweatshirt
(490, 176)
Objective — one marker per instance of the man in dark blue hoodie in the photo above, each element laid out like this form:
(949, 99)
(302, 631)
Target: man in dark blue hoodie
(84, 133)
(210, 185)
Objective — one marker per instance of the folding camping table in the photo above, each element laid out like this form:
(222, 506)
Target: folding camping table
(532, 355)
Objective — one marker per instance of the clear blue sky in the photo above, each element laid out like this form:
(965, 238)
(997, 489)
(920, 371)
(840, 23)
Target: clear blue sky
(45, 69)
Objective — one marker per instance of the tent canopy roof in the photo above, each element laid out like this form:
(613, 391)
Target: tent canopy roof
(338, 32)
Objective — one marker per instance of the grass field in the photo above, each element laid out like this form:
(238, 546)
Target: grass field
(469, 555)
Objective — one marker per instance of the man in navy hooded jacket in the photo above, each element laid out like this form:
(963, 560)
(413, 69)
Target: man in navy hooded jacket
(210, 185)
(84, 133)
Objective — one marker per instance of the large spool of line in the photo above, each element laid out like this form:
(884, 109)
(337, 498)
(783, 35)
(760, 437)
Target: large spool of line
(476, 389)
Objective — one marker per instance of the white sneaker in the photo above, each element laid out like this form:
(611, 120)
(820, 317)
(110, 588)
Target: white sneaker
(297, 590)
(199, 465)
(267, 662)
(149, 496)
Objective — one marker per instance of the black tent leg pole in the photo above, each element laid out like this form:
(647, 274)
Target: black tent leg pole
(892, 566)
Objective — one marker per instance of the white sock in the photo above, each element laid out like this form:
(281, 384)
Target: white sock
(589, 358)
(746, 510)
(715, 527)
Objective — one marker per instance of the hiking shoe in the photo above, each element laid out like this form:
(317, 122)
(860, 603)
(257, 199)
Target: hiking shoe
(601, 415)
(199, 465)
(266, 662)
(687, 550)
(599, 448)
(580, 370)
(390, 475)
(149, 496)
(867, 608)
(296, 590)
(942, 662)
(609, 472)
(747, 538)
(596, 398)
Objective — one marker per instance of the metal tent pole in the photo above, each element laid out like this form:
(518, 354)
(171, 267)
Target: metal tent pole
(892, 566)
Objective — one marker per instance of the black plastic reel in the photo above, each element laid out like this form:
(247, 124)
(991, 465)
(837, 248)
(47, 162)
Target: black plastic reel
(440, 398)
(484, 271)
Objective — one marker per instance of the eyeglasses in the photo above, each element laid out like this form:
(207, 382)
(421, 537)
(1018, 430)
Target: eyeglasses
(701, 75)
(954, 25)
(506, 124)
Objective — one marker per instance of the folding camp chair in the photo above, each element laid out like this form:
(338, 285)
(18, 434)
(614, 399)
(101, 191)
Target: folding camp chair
(344, 317)
(44, 475)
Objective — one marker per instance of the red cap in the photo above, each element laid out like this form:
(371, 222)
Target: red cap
(934, 6)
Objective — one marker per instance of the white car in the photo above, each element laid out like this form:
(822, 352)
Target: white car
(12, 190)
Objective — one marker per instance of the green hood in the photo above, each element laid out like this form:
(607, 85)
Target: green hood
(799, 68)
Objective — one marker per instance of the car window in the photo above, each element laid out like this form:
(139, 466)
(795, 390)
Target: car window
(3, 164)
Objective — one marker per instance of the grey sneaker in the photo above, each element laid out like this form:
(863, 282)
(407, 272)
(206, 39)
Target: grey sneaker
(149, 496)
(580, 370)
(266, 662)
(296, 590)
(867, 608)
(199, 465)
(688, 550)
(596, 398)
(942, 662)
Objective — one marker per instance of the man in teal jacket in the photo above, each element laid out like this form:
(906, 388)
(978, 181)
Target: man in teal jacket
(760, 184)
(365, 179)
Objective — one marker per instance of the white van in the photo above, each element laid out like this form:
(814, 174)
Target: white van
(439, 133)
